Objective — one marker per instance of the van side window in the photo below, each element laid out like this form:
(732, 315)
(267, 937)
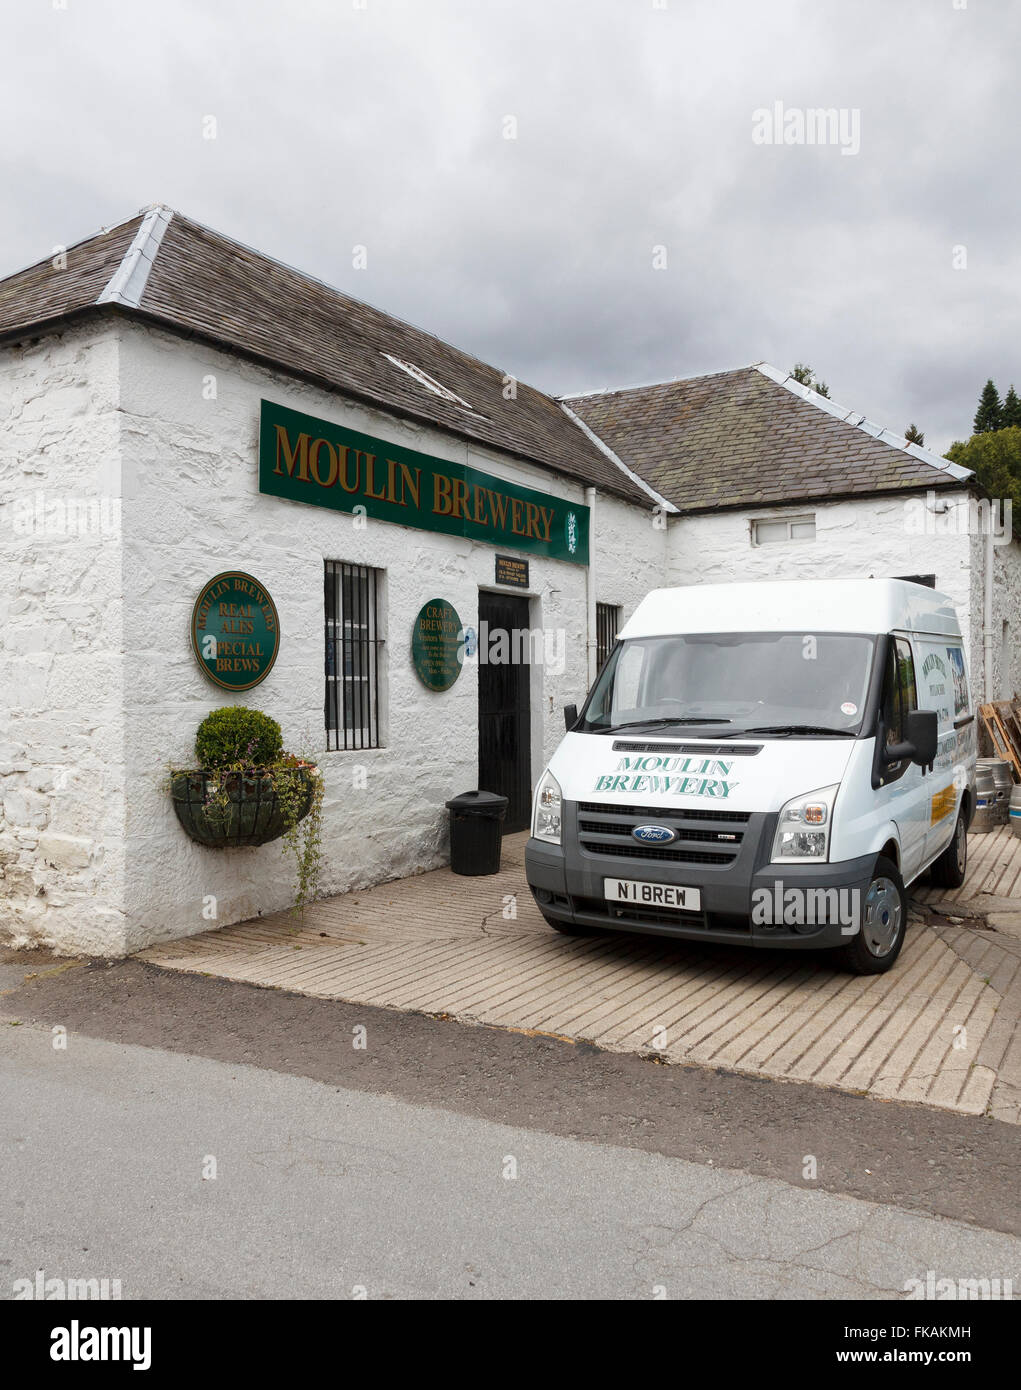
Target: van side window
(899, 694)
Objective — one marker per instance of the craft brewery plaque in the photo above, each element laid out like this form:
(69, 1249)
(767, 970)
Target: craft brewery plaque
(235, 633)
(436, 644)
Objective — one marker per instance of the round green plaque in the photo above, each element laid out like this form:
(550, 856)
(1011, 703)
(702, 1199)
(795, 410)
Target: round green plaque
(436, 644)
(235, 633)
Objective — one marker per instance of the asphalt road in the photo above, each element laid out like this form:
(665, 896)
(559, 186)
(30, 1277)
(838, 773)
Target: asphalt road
(334, 1191)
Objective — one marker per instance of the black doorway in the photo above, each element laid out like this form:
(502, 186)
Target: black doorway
(505, 750)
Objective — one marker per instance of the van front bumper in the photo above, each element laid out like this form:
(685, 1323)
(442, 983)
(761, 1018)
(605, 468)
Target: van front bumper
(795, 906)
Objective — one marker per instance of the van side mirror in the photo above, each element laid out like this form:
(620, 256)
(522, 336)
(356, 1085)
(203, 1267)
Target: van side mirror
(921, 739)
(921, 728)
(570, 717)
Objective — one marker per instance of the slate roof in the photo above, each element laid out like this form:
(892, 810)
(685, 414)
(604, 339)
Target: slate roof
(755, 437)
(171, 271)
(752, 437)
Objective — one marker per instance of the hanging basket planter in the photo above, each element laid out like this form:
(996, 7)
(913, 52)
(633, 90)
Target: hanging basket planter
(247, 790)
(230, 810)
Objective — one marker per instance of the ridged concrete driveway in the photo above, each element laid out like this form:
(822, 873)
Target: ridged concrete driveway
(940, 1028)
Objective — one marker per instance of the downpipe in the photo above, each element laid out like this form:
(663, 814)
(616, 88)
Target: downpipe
(592, 644)
(987, 620)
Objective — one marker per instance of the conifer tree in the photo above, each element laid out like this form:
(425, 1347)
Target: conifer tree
(990, 410)
(1011, 412)
(802, 372)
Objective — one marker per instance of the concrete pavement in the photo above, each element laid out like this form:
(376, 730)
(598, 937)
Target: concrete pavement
(323, 1191)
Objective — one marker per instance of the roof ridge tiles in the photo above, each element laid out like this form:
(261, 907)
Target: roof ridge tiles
(863, 423)
(351, 299)
(719, 441)
(652, 385)
(127, 284)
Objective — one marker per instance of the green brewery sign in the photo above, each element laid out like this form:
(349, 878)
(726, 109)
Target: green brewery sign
(235, 633)
(436, 644)
(309, 460)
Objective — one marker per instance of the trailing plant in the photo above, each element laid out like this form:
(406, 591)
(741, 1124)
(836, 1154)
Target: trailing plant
(303, 833)
(243, 765)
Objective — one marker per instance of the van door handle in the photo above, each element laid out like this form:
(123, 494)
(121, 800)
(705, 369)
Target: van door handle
(964, 719)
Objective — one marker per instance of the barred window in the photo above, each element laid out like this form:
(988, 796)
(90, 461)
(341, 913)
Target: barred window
(353, 651)
(607, 623)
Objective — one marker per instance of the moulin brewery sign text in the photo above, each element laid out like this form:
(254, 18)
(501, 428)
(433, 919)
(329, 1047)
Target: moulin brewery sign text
(309, 460)
(235, 632)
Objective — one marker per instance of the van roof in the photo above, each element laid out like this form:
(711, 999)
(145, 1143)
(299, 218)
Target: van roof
(795, 605)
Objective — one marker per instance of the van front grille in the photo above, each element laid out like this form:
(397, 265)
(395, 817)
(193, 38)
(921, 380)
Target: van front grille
(713, 837)
(636, 851)
(701, 836)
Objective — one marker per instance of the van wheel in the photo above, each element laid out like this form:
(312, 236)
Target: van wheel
(571, 928)
(949, 870)
(884, 917)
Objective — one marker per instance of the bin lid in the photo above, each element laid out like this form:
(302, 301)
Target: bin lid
(482, 803)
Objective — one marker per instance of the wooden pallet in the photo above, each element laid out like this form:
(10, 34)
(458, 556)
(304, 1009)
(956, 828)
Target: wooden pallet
(1002, 722)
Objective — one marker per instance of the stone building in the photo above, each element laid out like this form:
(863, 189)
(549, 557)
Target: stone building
(177, 407)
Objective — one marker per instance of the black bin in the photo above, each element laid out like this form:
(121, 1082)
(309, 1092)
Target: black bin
(476, 831)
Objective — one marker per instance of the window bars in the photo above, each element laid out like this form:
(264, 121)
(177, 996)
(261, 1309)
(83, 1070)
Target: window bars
(352, 656)
(607, 618)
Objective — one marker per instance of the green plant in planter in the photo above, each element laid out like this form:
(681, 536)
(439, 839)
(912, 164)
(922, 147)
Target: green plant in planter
(249, 791)
(236, 734)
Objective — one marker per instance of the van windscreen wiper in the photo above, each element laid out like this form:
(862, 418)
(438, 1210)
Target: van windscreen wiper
(785, 729)
(662, 719)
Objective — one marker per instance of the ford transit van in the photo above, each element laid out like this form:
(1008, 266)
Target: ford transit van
(766, 764)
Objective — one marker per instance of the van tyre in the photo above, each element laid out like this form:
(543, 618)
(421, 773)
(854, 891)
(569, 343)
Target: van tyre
(884, 916)
(950, 869)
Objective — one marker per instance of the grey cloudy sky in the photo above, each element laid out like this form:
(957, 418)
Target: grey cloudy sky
(382, 123)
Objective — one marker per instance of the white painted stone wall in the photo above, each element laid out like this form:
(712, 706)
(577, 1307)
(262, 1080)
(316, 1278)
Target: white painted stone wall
(62, 850)
(867, 537)
(1006, 662)
(192, 508)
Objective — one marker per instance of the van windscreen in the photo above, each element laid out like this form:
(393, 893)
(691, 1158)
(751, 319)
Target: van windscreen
(735, 681)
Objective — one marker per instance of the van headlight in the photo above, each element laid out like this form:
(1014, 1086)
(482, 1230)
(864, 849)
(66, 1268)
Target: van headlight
(546, 817)
(803, 829)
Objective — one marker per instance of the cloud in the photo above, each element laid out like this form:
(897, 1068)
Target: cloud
(385, 126)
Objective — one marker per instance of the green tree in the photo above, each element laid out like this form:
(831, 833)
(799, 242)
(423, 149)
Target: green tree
(1011, 413)
(995, 457)
(990, 411)
(802, 372)
(914, 435)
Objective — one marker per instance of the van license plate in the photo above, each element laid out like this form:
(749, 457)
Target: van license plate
(629, 890)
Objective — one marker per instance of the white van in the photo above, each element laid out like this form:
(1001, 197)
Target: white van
(764, 764)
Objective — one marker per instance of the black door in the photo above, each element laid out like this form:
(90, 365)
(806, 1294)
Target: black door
(504, 724)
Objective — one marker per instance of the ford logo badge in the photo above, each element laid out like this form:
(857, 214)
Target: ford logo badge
(654, 834)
